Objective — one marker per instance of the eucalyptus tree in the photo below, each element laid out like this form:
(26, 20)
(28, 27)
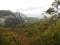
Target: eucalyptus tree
(54, 10)
(55, 6)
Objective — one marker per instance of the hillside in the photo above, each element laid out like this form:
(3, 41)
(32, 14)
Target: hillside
(33, 22)
(5, 13)
(11, 19)
(47, 32)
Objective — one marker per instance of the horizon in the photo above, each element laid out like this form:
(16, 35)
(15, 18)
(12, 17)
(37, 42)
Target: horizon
(28, 7)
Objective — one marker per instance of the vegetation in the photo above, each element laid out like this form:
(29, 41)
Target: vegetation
(43, 32)
(59, 2)
(8, 38)
(50, 10)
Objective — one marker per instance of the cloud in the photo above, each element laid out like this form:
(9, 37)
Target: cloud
(25, 6)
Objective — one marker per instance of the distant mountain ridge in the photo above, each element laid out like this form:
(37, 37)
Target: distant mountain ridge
(8, 17)
(6, 13)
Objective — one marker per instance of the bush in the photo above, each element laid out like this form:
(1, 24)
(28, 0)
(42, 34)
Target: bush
(8, 38)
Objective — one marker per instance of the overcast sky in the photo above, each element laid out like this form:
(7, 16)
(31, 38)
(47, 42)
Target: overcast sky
(25, 6)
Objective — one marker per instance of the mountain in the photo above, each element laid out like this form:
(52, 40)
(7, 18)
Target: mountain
(10, 18)
(6, 13)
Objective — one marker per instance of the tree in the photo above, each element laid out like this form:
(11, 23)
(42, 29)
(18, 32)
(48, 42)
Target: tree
(58, 1)
(50, 10)
(54, 8)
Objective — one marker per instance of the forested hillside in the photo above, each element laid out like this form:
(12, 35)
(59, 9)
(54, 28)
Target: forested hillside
(18, 30)
(47, 32)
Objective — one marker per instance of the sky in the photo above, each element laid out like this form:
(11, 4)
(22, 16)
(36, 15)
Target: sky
(28, 7)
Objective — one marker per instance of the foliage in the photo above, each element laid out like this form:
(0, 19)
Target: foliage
(50, 10)
(43, 32)
(59, 2)
(46, 32)
(8, 38)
